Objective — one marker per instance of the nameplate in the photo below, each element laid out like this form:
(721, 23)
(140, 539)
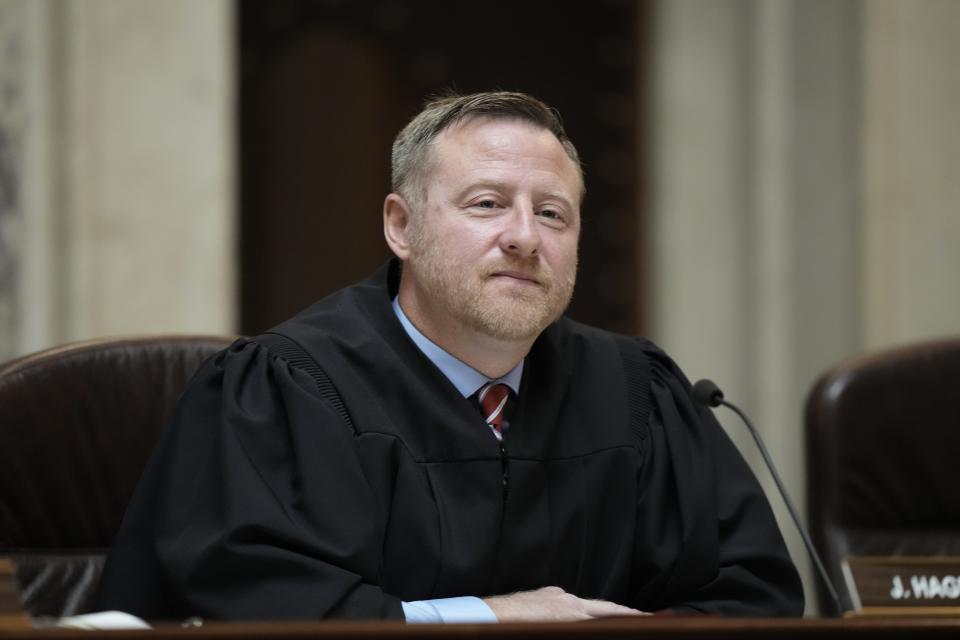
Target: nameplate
(904, 585)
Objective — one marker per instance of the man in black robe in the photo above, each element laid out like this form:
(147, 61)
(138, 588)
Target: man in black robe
(439, 443)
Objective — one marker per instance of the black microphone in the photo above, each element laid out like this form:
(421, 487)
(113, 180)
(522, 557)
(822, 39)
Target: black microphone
(707, 394)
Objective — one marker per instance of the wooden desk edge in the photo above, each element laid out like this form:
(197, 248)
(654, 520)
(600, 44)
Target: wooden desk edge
(652, 628)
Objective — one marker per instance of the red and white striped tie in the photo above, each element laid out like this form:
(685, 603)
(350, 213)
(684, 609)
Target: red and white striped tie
(493, 400)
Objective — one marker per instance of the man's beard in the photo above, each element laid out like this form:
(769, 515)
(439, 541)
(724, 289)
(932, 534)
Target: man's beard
(466, 293)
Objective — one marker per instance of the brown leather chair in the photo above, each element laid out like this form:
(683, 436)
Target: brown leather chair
(883, 441)
(77, 424)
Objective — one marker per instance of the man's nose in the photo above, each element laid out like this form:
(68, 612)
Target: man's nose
(521, 237)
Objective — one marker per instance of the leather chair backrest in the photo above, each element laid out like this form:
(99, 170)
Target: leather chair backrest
(77, 425)
(883, 441)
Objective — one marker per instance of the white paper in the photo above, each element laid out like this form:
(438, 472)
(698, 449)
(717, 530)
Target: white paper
(103, 620)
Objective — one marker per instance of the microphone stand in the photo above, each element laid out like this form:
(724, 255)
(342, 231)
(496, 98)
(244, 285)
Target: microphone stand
(708, 394)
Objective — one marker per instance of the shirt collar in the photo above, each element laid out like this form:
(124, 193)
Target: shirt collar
(464, 377)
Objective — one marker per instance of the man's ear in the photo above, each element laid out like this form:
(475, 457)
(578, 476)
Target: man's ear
(396, 224)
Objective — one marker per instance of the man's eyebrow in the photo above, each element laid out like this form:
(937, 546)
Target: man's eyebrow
(481, 185)
(497, 185)
(560, 196)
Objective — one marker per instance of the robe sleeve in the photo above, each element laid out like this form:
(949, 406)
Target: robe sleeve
(221, 525)
(717, 547)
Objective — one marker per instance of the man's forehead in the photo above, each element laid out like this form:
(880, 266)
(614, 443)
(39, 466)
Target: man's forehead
(476, 134)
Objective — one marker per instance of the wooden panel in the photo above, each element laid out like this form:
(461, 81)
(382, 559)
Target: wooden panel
(325, 86)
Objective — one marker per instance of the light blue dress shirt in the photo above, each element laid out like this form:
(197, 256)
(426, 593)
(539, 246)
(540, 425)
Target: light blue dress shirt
(467, 380)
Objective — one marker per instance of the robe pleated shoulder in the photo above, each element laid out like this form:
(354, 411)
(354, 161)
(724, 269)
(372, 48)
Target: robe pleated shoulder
(737, 552)
(248, 511)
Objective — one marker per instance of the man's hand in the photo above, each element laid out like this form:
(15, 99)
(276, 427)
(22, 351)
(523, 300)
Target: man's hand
(553, 604)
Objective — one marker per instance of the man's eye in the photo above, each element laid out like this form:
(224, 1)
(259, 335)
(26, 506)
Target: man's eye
(486, 204)
(551, 214)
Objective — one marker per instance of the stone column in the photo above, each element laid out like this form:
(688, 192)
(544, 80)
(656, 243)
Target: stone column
(756, 208)
(911, 225)
(12, 114)
(125, 221)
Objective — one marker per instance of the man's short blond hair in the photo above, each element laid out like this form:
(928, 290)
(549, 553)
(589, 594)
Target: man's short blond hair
(411, 160)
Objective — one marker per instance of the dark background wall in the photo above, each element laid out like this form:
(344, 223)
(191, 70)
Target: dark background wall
(326, 85)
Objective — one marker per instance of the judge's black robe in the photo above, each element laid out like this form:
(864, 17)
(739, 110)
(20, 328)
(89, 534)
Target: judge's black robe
(329, 469)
